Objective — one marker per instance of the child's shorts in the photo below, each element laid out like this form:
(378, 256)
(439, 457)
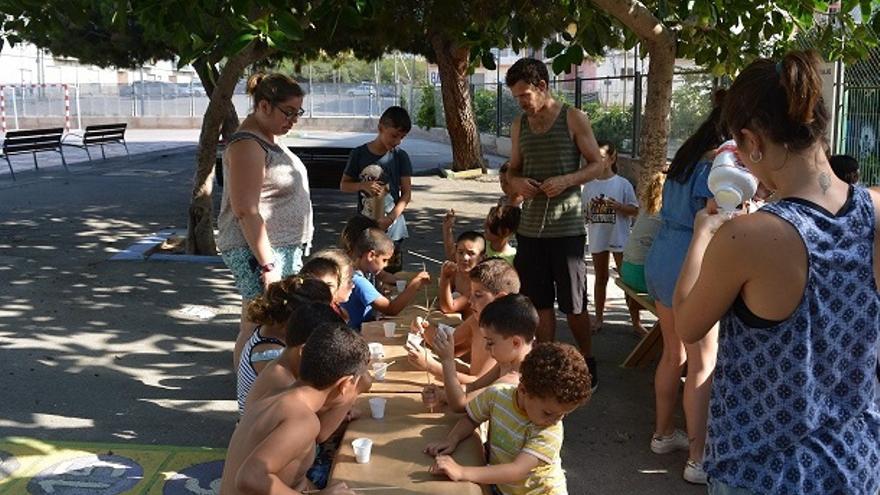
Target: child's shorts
(246, 271)
(633, 276)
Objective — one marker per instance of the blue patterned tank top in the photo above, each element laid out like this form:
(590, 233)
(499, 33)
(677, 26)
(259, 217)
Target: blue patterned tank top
(795, 406)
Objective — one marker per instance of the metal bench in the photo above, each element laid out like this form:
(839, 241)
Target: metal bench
(325, 164)
(652, 343)
(100, 135)
(33, 141)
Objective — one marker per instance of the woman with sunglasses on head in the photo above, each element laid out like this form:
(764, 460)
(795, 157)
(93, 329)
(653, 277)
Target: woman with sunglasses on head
(795, 402)
(265, 222)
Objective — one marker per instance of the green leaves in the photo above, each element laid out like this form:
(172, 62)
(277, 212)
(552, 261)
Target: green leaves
(553, 49)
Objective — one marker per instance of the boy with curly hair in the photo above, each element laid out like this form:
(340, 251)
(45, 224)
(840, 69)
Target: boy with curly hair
(525, 425)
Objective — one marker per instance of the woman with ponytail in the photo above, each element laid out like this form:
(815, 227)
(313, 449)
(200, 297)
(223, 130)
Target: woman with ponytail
(794, 402)
(265, 222)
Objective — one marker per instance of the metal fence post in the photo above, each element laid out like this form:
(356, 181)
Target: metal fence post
(577, 93)
(637, 113)
(498, 99)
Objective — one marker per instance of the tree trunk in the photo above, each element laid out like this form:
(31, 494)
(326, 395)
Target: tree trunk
(200, 232)
(452, 64)
(660, 44)
(208, 73)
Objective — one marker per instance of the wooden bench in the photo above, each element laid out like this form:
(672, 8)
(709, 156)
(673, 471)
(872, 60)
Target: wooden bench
(33, 141)
(652, 342)
(101, 135)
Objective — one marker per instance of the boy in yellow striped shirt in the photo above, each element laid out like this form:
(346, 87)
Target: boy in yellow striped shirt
(525, 425)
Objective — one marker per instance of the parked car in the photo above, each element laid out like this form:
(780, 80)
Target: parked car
(362, 89)
(386, 90)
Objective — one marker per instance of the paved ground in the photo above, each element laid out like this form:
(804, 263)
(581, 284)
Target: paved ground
(423, 153)
(93, 350)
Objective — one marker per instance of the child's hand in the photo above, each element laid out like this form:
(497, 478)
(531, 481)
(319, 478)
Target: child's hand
(449, 269)
(444, 447)
(384, 222)
(613, 204)
(449, 220)
(420, 279)
(419, 325)
(372, 187)
(337, 488)
(444, 464)
(415, 354)
(444, 346)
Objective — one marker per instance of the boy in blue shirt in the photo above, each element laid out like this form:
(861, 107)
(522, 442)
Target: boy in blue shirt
(372, 250)
(394, 125)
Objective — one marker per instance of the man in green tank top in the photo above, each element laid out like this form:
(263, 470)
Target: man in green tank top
(550, 141)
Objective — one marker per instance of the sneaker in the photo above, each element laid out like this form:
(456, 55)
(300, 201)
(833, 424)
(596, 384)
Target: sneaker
(594, 374)
(693, 473)
(678, 440)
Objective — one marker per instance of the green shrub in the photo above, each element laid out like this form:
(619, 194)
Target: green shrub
(426, 117)
(613, 123)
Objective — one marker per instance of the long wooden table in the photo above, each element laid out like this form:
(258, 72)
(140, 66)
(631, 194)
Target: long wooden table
(398, 459)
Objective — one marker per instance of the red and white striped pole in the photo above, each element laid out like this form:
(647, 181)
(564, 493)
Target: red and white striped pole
(3, 107)
(66, 107)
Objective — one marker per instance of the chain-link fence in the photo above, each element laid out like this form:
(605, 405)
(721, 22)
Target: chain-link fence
(859, 116)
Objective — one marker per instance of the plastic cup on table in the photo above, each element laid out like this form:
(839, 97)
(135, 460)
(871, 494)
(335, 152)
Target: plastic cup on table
(377, 407)
(377, 351)
(362, 448)
(379, 370)
(389, 327)
(401, 285)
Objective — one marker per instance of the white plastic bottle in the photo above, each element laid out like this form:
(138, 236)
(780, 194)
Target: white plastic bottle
(729, 180)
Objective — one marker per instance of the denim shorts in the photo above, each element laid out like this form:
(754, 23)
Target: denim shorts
(718, 488)
(289, 259)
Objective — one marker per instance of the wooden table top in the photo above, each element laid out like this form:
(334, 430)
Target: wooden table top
(398, 459)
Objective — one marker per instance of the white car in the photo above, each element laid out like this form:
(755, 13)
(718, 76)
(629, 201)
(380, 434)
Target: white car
(362, 89)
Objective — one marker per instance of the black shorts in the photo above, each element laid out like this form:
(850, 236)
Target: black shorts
(553, 269)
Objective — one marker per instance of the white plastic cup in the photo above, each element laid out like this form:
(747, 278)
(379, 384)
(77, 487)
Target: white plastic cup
(379, 370)
(377, 407)
(389, 327)
(377, 351)
(401, 285)
(362, 448)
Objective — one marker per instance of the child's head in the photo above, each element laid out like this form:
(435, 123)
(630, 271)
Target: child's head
(469, 248)
(372, 250)
(306, 319)
(334, 267)
(554, 380)
(503, 179)
(394, 125)
(608, 151)
(353, 229)
(490, 279)
(501, 222)
(508, 324)
(275, 306)
(845, 167)
(334, 358)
